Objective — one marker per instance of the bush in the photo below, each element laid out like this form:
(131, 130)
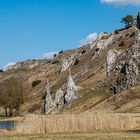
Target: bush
(76, 62)
(97, 49)
(61, 51)
(121, 44)
(116, 32)
(127, 35)
(1, 71)
(55, 61)
(35, 83)
(83, 51)
(54, 55)
(132, 34)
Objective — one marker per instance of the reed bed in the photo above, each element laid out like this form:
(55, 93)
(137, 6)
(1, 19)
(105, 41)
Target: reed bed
(41, 124)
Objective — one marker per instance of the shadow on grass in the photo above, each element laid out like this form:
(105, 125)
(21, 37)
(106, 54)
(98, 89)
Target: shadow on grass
(134, 131)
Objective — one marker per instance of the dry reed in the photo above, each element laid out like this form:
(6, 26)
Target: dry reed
(40, 124)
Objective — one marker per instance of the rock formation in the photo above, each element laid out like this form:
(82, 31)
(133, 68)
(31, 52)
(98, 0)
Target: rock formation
(65, 65)
(48, 104)
(72, 92)
(29, 64)
(111, 58)
(59, 101)
(122, 67)
(67, 62)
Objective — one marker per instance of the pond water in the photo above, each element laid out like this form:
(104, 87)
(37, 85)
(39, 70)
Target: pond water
(8, 125)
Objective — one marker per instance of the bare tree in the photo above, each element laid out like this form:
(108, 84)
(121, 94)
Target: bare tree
(12, 95)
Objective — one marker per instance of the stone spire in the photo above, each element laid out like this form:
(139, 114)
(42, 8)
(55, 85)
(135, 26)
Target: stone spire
(48, 98)
(72, 90)
(59, 99)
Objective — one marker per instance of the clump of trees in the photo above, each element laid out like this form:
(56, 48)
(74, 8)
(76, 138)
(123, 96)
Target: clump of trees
(12, 96)
(128, 20)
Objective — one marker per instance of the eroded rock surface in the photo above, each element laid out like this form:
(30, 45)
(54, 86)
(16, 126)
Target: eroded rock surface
(111, 59)
(59, 100)
(72, 92)
(48, 99)
(29, 64)
(123, 68)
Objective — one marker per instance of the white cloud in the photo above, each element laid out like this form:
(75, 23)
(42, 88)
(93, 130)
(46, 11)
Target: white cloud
(90, 38)
(9, 64)
(122, 2)
(49, 55)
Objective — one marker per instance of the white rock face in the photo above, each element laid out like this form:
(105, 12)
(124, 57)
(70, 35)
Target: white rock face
(103, 41)
(67, 62)
(25, 64)
(72, 90)
(65, 65)
(48, 99)
(111, 58)
(59, 98)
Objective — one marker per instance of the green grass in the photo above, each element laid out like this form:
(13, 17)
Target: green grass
(98, 135)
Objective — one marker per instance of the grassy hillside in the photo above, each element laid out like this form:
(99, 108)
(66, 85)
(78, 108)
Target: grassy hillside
(89, 73)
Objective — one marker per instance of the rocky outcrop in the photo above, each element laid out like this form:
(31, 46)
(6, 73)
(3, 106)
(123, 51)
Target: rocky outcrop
(123, 68)
(48, 104)
(26, 64)
(67, 62)
(72, 92)
(59, 101)
(111, 59)
(65, 65)
(105, 40)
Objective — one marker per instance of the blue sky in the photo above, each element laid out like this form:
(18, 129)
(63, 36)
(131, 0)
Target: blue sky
(31, 28)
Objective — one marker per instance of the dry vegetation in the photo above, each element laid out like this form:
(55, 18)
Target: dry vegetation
(40, 124)
(97, 135)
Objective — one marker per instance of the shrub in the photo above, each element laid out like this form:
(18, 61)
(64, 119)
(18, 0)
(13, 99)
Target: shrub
(132, 34)
(121, 44)
(97, 49)
(76, 62)
(1, 71)
(55, 61)
(35, 83)
(54, 55)
(61, 51)
(127, 35)
(116, 32)
(83, 51)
